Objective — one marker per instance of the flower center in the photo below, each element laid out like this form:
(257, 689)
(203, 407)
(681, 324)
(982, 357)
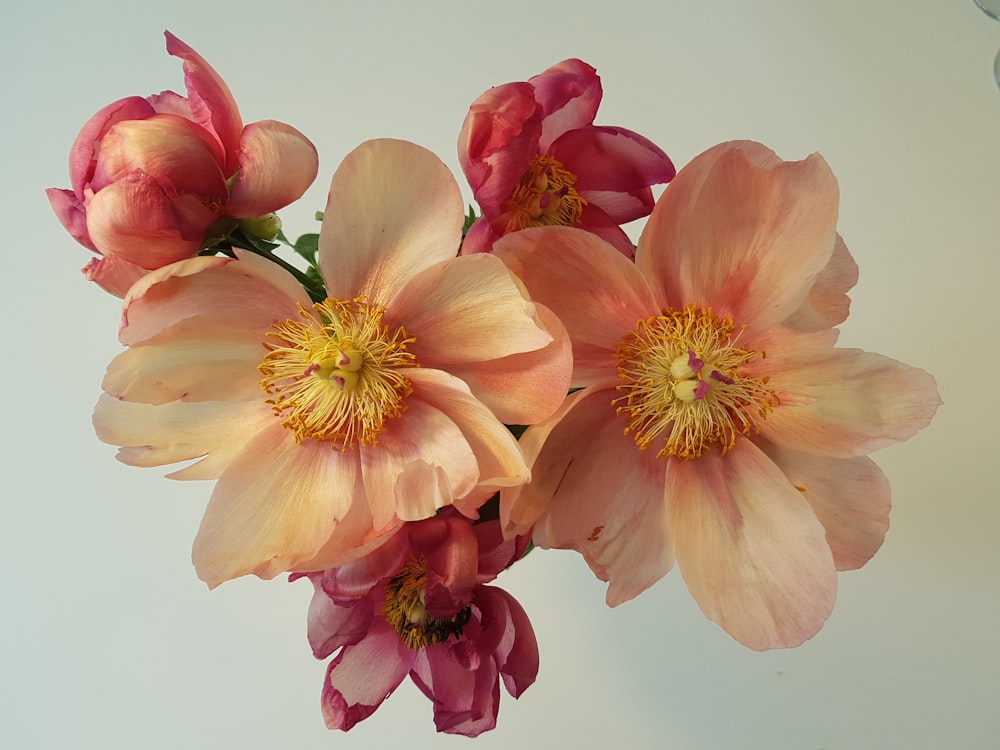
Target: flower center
(404, 608)
(544, 197)
(681, 380)
(335, 377)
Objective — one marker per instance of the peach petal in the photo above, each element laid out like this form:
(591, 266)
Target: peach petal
(275, 506)
(828, 304)
(751, 550)
(380, 230)
(596, 292)
(178, 431)
(524, 388)
(598, 494)
(850, 496)
(742, 232)
(844, 402)
(467, 309)
(113, 274)
(277, 164)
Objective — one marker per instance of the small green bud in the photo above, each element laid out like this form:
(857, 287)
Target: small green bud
(264, 227)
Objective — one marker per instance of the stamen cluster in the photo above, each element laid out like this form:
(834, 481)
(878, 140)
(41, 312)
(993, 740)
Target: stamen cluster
(545, 196)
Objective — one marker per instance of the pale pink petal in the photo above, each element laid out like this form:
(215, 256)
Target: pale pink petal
(599, 494)
(569, 94)
(393, 210)
(363, 675)
(843, 402)
(499, 139)
(218, 295)
(179, 431)
(83, 154)
(497, 454)
(524, 388)
(612, 159)
(598, 294)
(330, 626)
(113, 274)
(850, 496)
(742, 232)
(71, 214)
(355, 580)
(275, 506)
(277, 164)
(751, 550)
(595, 220)
(479, 238)
(212, 103)
(828, 304)
(420, 464)
(467, 309)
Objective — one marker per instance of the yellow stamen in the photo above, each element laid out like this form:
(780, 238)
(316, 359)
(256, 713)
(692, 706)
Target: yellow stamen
(545, 197)
(334, 376)
(404, 609)
(681, 381)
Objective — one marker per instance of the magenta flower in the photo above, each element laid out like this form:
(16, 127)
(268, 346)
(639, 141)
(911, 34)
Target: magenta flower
(418, 606)
(151, 176)
(718, 426)
(534, 157)
(330, 424)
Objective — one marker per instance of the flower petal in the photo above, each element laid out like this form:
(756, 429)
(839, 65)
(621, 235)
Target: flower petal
(71, 214)
(742, 232)
(843, 402)
(828, 304)
(749, 547)
(330, 625)
(418, 221)
(113, 274)
(569, 94)
(595, 292)
(277, 164)
(850, 496)
(83, 154)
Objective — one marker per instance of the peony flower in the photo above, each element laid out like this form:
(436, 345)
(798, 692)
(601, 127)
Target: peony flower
(418, 606)
(328, 425)
(151, 176)
(723, 429)
(533, 157)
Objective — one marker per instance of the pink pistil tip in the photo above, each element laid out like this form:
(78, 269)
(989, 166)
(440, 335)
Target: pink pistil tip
(344, 359)
(338, 380)
(700, 390)
(311, 369)
(693, 362)
(716, 375)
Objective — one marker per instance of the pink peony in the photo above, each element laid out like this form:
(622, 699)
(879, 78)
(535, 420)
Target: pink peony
(723, 430)
(533, 157)
(151, 176)
(328, 425)
(418, 606)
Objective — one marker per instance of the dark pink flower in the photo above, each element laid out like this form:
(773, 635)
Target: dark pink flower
(151, 175)
(418, 606)
(534, 157)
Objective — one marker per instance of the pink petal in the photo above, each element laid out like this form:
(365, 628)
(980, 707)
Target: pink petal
(569, 94)
(828, 304)
(843, 402)
(420, 464)
(394, 209)
(355, 580)
(274, 506)
(612, 159)
(499, 139)
(850, 496)
(517, 653)
(330, 626)
(598, 493)
(466, 700)
(524, 388)
(155, 435)
(113, 274)
(472, 300)
(71, 214)
(363, 675)
(742, 232)
(479, 238)
(83, 154)
(598, 294)
(277, 164)
(496, 451)
(212, 103)
(751, 551)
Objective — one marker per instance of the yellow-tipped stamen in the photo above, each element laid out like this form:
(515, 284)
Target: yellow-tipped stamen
(334, 376)
(545, 197)
(404, 609)
(681, 383)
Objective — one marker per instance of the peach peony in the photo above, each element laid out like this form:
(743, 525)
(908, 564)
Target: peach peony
(718, 426)
(329, 425)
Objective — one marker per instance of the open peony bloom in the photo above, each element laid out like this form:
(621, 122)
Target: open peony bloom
(418, 606)
(328, 425)
(718, 426)
(151, 176)
(534, 157)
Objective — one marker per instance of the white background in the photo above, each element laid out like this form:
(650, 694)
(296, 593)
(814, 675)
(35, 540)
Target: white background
(107, 638)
